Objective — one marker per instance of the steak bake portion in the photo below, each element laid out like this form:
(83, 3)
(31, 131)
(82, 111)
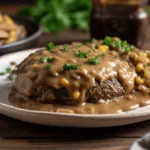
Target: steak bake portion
(80, 74)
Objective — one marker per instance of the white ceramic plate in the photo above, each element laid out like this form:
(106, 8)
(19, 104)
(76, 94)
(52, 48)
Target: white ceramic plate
(60, 119)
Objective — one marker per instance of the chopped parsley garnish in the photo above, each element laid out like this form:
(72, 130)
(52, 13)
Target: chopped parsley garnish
(68, 67)
(94, 40)
(117, 43)
(47, 59)
(50, 46)
(43, 60)
(7, 71)
(2, 73)
(103, 55)
(50, 59)
(93, 61)
(48, 67)
(82, 54)
(148, 64)
(65, 48)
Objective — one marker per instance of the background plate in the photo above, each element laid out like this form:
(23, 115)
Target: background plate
(34, 31)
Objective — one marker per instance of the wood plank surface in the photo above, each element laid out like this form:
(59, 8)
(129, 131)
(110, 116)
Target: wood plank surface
(46, 144)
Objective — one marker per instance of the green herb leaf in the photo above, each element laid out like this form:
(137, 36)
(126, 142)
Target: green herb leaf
(68, 67)
(93, 61)
(2, 73)
(50, 46)
(103, 55)
(8, 70)
(94, 40)
(43, 60)
(50, 59)
(65, 47)
(47, 59)
(48, 67)
(107, 41)
(82, 54)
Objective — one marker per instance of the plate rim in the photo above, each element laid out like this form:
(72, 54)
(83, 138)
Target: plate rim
(127, 114)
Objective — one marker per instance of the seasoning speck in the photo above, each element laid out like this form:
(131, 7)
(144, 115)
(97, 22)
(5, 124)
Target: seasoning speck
(13, 63)
(65, 48)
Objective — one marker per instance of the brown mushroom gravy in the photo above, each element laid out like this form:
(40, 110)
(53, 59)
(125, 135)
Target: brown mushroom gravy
(94, 78)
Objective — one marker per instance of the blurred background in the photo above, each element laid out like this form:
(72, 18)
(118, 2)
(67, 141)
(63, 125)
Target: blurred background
(64, 21)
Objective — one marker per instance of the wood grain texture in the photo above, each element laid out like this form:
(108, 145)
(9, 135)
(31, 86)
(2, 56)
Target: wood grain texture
(11, 128)
(46, 144)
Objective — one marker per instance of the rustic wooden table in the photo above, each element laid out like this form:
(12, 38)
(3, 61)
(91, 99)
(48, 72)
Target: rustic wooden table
(17, 135)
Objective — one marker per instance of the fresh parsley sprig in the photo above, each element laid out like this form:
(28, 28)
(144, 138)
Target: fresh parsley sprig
(93, 61)
(50, 46)
(82, 54)
(65, 48)
(48, 67)
(68, 67)
(47, 59)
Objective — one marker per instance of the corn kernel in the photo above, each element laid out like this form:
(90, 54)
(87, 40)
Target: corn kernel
(60, 110)
(10, 40)
(103, 48)
(89, 109)
(64, 82)
(8, 20)
(1, 18)
(139, 80)
(12, 32)
(147, 60)
(144, 54)
(76, 95)
(139, 67)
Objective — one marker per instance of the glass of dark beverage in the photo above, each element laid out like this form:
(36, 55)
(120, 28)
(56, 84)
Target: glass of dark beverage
(126, 19)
